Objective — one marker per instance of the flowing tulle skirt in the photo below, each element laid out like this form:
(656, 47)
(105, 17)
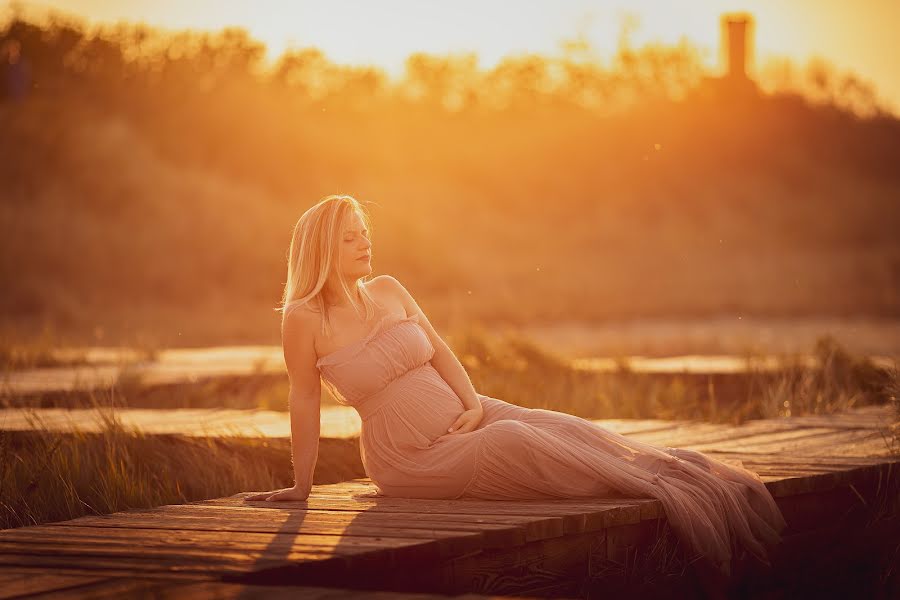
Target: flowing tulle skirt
(714, 507)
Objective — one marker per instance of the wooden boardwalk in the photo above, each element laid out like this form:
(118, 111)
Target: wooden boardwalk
(339, 422)
(861, 433)
(820, 469)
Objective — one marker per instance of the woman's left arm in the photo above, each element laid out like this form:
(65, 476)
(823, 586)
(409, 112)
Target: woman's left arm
(444, 360)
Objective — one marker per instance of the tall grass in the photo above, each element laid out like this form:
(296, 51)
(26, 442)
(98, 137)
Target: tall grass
(838, 381)
(47, 476)
(519, 371)
(39, 351)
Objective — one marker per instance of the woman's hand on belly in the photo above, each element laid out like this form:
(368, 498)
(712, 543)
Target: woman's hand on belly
(466, 422)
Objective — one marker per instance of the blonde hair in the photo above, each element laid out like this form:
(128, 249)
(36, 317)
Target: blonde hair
(315, 252)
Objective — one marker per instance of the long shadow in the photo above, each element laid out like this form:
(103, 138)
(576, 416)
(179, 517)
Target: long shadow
(277, 551)
(274, 567)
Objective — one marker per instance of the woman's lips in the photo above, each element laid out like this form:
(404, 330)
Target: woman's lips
(364, 258)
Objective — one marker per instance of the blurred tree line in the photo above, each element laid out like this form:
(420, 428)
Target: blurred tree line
(150, 173)
(210, 97)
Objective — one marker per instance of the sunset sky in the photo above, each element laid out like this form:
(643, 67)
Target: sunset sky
(855, 36)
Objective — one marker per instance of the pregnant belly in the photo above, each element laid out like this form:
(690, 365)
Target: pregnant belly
(415, 409)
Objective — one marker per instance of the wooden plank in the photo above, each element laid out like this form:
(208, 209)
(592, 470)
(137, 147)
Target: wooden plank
(72, 561)
(785, 485)
(638, 426)
(848, 443)
(866, 416)
(531, 527)
(808, 441)
(162, 589)
(339, 422)
(117, 587)
(825, 463)
(228, 591)
(694, 435)
(167, 545)
(577, 516)
(92, 571)
(765, 439)
(498, 529)
(685, 434)
(278, 516)
(494, 534)
(870, 420)
(23, 583)
(848, 462)
(116, 540)
(872, 417)
(177, 559)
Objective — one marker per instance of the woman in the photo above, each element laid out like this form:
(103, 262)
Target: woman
(426, 432)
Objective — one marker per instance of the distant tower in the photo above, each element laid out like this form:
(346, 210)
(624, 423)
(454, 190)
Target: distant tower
(737, 44)
(735, 85)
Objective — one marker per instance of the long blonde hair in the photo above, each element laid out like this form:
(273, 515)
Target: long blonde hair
(314, 253)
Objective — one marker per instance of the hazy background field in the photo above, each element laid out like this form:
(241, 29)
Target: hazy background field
(151, 180)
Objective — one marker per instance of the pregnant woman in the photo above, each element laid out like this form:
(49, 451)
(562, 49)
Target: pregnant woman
(427, 433)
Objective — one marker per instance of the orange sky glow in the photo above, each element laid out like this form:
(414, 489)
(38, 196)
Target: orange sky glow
(856, 37)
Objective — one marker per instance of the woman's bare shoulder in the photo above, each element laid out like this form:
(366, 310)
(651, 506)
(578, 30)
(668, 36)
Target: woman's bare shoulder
(390, 287)
(385, 284)
(303, 318)
(388, 282)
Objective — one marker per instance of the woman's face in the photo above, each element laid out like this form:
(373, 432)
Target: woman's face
(356, 248)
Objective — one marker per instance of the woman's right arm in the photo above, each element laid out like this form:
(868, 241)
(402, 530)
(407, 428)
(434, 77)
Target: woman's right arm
(304, 399)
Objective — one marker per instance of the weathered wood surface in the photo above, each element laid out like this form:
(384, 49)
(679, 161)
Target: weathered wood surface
(341, 422)
(60, 587)
(344, 533)
(862, 432)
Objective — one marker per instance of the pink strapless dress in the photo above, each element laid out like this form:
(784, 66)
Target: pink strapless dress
(516, 453)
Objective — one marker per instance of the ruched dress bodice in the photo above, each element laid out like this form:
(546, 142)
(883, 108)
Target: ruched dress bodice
(515, 452)
(365, 374)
